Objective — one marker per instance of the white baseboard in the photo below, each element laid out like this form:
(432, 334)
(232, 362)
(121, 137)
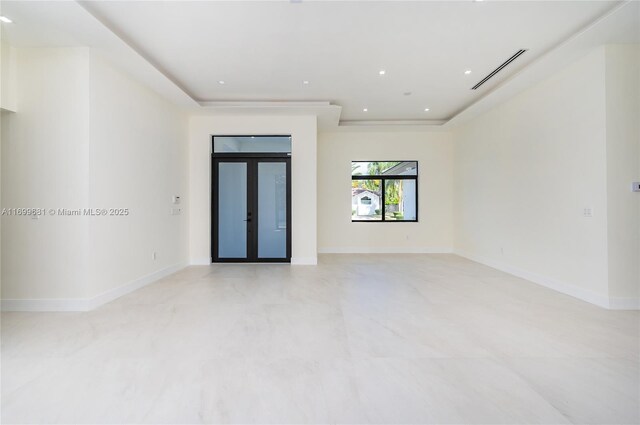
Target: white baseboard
(41, 305)
(200, 261)
(385, 250)
(87, 304)
(112, 294)
(304, 261)
(620, 303)
(563, 287)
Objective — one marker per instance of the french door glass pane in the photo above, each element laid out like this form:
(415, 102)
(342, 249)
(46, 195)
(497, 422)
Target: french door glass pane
(232, 210)
(272, 210)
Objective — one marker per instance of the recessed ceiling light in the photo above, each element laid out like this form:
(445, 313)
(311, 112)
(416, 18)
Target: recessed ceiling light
(382, 72)
(467, 72)
(426, 109)
(221, 82)
(5, 20)
(305, 82)
(365, 110)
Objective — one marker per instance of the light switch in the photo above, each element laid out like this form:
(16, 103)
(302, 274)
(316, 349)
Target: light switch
(587, 212)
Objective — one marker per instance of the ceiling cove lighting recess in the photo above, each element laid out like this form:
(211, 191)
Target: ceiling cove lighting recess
(5, 20)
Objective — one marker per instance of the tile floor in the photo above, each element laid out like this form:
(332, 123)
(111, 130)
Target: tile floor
(357, 339)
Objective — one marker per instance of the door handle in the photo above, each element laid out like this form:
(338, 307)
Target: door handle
(247, 219)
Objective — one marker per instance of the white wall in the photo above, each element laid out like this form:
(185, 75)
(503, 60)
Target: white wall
(303, 130)
(432, 233)
(525, 172)
(86, 136)
(623, 167)
(507, 188)
(45, 152)
(138, 160)
(8, 74)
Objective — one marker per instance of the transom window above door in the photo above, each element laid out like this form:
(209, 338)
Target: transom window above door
(252, 144)
(384, 191)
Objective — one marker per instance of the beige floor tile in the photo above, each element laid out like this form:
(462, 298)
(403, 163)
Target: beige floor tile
(356, 339)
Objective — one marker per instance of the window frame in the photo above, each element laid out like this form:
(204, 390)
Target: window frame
(383, 179)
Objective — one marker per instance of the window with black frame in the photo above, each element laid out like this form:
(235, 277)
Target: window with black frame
(384, 191)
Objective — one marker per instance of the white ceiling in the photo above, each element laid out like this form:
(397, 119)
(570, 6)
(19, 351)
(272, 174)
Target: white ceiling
(264, 50)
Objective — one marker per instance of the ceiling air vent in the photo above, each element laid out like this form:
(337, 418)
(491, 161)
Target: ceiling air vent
(500, 68)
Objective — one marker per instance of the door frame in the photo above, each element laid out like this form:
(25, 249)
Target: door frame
(252, 160)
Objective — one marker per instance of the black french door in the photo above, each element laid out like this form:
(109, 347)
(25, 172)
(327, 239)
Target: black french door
(251, 208)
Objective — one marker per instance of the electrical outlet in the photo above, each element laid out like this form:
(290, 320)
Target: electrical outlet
(587, 212)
